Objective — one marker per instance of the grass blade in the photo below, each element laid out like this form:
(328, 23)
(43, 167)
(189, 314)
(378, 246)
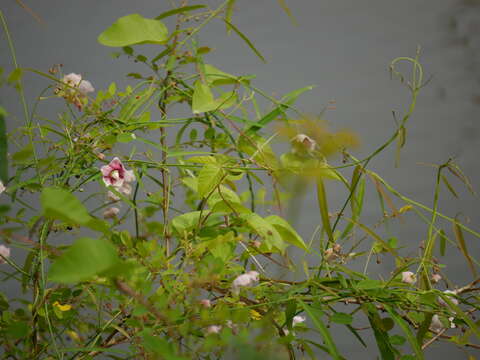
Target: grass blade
(244, 38)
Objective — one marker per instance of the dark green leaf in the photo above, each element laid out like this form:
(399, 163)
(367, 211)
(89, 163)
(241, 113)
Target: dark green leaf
(179, 11)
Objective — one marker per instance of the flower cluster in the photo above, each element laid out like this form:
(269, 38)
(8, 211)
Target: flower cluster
(75, 89)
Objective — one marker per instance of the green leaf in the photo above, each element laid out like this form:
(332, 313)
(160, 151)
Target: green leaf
(386, 349)
(443, 242)
(463, 246)
(323, 206)
(327, 337)
(286, 231)
(341, 318)
(186, 221)
(263, 228)
(3, 147)
(24, 155)
(17, 330)
(179, 11)
(284, 104)
(408, 332)
(83, 260)
(60, 204)
(244, 38)
(202, 99)
(134, 29)
(209, 178)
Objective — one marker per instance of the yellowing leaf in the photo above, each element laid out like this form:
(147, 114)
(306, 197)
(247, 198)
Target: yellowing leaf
(61, 307)
(255, 315)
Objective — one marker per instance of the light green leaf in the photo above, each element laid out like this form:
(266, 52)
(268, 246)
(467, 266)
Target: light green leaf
(286, 231)
(263, 228)
(186, 221)
(202, 100)
(134, 29)
(83, 260)
(209, 178)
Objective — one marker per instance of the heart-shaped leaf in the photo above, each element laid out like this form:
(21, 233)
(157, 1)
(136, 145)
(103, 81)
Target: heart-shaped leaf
(134, 29)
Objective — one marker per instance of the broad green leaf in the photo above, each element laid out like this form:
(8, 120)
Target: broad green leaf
(327, 337)
(3, 147)
(209, 178)
(83, 260)
(24, 155)
(134, 29)
(202, 99)
(60, 204)
(286, 231)
(186, 221)
(17, 330)
(263, 228)
(216, 76)
(179, 10)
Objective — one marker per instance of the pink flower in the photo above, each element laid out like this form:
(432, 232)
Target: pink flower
(205, 303)
(5, 253)
(436, 278)
(298, 320)
(2, 187)
(111, 212)
(115, 174)
(76, 81)
(303, 142)
(408, 277)
(213, 329)
(247, 279)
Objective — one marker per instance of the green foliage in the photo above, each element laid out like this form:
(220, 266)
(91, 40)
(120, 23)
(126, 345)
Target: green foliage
(194, 257)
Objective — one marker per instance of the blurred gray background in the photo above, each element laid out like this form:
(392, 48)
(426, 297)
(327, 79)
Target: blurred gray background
(344, 47)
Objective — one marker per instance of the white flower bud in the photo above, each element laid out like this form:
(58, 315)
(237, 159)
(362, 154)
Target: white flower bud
(111, 212)
(408, 277)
